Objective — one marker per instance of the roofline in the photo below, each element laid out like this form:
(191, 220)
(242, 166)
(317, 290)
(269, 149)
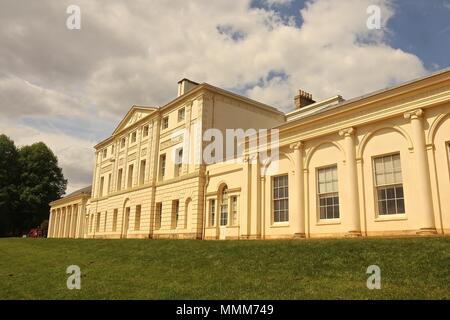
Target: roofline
(70, 198)
(369, 98)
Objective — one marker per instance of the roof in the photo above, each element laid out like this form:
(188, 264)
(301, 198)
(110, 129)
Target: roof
(85, 190)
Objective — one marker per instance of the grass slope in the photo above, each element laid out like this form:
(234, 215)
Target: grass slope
(411, 268)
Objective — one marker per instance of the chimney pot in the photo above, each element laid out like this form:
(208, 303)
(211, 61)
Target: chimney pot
(303, 99)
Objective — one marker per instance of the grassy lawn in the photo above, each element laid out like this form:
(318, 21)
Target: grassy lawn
(411, 268)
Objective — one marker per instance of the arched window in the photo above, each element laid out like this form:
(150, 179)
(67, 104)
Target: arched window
(224, 206)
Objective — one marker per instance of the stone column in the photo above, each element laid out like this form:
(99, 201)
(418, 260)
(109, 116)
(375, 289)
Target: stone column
(255, 198)
(422, 172)
(297, 213)
(50, 224)
(246, 197)
(354, 223)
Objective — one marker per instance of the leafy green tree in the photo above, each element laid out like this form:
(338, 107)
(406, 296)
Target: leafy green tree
(41, 181)
(9, 176)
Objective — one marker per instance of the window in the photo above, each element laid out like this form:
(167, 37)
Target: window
(119, 179)
(130, 176)
(145, 131)
(181, 114)
(165, 123)
(105, 153)
(179, 162)
(328, 195)
(280, 190)
(109, 183)
(114, 224)
(122, 143)
(389, 185)
(97, 222)
(104, 222)
(142, 172)
(137, 218)
(448, 151)
(162, 166)
(91, 225)
(133, 137)
(212, 213)
(224, 207)
(102, 182)
(112, 149)
(158, 214)
(175, 213)
(234, 210)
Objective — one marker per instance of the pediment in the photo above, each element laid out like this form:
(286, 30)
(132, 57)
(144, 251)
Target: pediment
(134, 115)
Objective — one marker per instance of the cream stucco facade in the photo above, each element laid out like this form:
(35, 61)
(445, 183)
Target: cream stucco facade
(376, 165)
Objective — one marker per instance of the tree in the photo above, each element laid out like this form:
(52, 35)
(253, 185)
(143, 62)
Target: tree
(41, 181)
(9, 176)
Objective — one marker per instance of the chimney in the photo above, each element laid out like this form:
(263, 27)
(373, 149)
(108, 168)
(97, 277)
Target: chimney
(185, 85)
(303, 99)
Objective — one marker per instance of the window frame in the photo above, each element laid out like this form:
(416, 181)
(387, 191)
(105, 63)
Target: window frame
(286, 199)
(165, 123)
(181, 114)
(328, 195)
(386, 186)
(212, 213)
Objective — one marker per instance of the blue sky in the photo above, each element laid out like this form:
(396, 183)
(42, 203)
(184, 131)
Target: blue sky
(421, 27)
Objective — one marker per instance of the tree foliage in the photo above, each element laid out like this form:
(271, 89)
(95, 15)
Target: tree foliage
(30, 179)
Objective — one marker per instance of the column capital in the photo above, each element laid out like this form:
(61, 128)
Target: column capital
(296, 145)
(413, 114)
(347, 132)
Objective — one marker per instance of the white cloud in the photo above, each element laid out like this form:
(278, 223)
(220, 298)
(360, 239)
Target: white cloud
(134, 53)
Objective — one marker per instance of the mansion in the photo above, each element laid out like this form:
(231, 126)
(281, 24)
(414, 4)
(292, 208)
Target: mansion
(376, 165)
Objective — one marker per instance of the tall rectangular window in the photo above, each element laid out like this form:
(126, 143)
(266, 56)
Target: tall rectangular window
(162, 166)
(109, 183)
(112, 150)
(175, 213)
(181, 114)
(234, 210)
(389, 184)
(122, 143)
(105, 153)
(114, 224)
(137, 218)
(130, 176)
(158, 215)
(119, 179)
(142, 172)
(165, 123)
(102, 182)
(105, 221)
(178, 162)
(280, 190)
(327, 192)
(212, 213)
(145, 131)
(97, 222)
(133, 137)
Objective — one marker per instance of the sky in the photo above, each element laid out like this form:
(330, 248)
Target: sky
(70, 88)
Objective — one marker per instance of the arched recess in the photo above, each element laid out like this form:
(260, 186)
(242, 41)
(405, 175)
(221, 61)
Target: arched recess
(369, 135)
(267, 167)
(187, 212)
(435, 126)
(321, 145)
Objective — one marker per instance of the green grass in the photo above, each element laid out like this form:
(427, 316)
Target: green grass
(411, 268)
